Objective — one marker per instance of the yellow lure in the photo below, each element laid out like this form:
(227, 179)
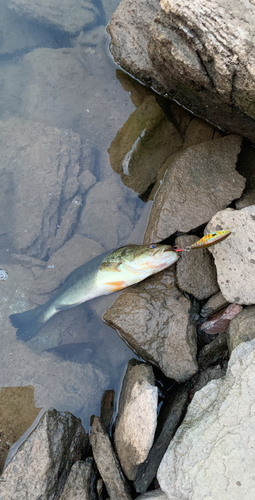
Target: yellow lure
(210, 239)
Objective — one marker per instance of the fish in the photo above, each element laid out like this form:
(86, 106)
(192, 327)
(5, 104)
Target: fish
(210, 239)
(106, 273)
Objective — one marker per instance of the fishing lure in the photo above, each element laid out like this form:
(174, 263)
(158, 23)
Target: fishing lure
(207, 241)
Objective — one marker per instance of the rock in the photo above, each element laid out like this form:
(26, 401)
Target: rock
(62, 15)
(105, 218)
(198, 182)
(71, 255)
(81, 481)
(220, 321)
(174, 410)
(107, 408)
(18, 34)
(202, 378)
(157, 322)
(235, 256)
(212, 353)
(216, 438)
(137, 417)
(42, 463)
(131, 37)
(144, 143)
(246, 167)
(241, 328)
(179, 52)
(23, 145)
(156, 494)
(197, 132)
(47, 81)
(17, 413)
(107, 463)
(213, 305)
(138, 92)
(195, 271)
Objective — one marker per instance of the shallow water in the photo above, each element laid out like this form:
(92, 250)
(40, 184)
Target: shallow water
(61, 204)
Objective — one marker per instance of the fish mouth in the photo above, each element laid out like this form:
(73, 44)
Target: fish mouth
(168, 249)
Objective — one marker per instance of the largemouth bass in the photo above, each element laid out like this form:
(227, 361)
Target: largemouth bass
(107, 273)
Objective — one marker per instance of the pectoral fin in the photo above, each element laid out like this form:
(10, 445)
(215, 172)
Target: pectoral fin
(116, 285)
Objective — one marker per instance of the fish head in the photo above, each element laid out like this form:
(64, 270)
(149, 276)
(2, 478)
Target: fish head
(148, 259)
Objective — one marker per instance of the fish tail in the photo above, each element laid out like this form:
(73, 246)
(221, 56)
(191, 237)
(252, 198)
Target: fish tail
(28, 323)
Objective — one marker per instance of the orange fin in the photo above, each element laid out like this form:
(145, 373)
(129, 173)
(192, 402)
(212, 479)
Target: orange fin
(117, 285)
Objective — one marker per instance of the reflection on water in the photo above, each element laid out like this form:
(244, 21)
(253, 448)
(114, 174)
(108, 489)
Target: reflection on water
(61, 203)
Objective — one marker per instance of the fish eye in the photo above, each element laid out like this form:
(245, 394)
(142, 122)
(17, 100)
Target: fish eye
(153, 245)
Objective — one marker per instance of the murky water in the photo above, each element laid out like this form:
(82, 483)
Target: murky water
(61, 106)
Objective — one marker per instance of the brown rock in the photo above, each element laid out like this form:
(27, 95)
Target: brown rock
(143, 144)
(157, 322)
(213, 305)
(220, 321)
(241, 328)
(198, 182)
(198, 131)
(195, 271)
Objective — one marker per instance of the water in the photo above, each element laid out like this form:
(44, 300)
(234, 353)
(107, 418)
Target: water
(61, 106)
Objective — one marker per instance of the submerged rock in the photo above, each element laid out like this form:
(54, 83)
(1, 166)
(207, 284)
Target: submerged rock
(42, 463)
(40, 160)
(143, 144)
(157, 322)
(241, 328)
(198, 181)
(215, 439)
(61, 14)
(235, 256)
(137, 417)
(195, 270)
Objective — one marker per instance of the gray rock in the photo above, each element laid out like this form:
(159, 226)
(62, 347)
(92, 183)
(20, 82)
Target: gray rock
(46, 81)
(81, 480)
(156, 494)
(42, 463)
(241, 328)
(198, 182)
(107, 463)
(137, 417)
(23, 145)
(215, 439)
(157, 322)
(213, 305)
(18, 34)
(105, 218)
(180, 53)
(173, 410)
(235, 256)
(143, 144)
(132, 36)
(206, 375)
(62, 14)
(195, 270)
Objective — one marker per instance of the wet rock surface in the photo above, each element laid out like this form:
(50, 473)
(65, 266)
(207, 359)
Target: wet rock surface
(140, 148)
(43, 461)
(62, 14)
(234, 257)
(220, 321)
(213, 305)
(204, 72)
(241, 328)
(137, 417)
(211, 439)
(107, 463)
(197, 183)
(195, 271)
(157, 322)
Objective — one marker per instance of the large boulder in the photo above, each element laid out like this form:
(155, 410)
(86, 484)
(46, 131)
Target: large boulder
(212, 453)
(197, 183)
(157, 322)
(235, 256)
(178, 48)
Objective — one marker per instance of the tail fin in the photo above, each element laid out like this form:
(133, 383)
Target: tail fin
(28, 323)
